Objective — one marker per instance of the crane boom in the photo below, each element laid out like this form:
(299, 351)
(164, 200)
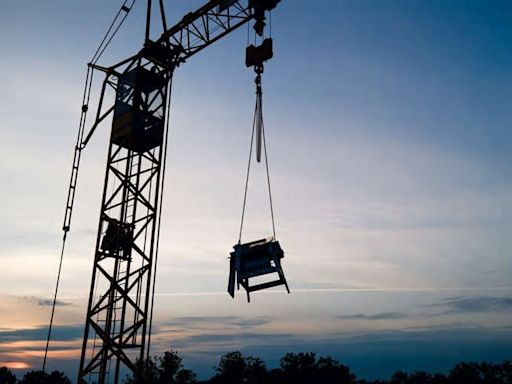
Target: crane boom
(197, 30)
(203, 27)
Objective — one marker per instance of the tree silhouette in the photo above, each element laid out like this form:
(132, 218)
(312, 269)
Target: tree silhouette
(506, 372)
(185, 376)
(330, 371)
(439, 379)
(465, 373)
(490, 373)
(305, 368)
(418, 377)
(6, 376)
(167, 369)
(483, 373)
(170, 364)
(231, 368)
(300, 368)
(255, 370)
(235, 368)
(35, 377)
(148, 373)
(41, 377)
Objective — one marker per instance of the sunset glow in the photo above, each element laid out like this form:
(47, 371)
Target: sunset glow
(14, 364)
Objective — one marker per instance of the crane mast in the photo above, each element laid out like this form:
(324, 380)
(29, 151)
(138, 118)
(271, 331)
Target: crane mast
(118, 321)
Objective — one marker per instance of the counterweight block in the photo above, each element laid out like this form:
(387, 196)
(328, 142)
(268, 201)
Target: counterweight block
(138, 122)
(255, 259)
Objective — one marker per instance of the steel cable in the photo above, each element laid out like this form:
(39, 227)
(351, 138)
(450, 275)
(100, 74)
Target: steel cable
(164, 160)
(256, 127)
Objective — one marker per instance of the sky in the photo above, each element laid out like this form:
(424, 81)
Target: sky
(388, 127)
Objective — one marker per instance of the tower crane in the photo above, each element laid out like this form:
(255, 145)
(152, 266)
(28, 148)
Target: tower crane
(117, 332)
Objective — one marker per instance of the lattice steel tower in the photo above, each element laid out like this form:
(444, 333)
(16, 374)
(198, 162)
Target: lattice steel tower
(118, 320)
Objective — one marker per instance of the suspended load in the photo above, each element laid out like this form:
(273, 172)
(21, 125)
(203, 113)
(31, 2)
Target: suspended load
(261, 258)
(255, 259)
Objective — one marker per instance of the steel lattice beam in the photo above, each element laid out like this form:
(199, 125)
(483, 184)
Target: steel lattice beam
(118, 309)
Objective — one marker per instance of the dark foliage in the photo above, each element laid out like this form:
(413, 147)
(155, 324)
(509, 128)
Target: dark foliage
(462, 373)
(484, 373)
(6, 376)
(167, 369)
(306, 368)
(40, 377)
(185, 376)
(235, 368)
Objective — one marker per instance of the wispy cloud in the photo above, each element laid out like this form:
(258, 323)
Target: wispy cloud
(43, 302)
(376, 316)
(232, 339)
(458, 305)
(236, 321)
(59, 333)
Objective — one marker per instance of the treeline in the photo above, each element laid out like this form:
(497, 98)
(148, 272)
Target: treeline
(300, 368)
(33, 377)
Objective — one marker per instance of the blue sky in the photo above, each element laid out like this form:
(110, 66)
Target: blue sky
(389, 138)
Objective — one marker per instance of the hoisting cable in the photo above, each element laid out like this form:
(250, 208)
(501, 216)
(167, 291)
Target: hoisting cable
(113, 29)
(268, 173)
(258, 131)
(247, 176)
(70, 199)
(159, 216)
(109, 35)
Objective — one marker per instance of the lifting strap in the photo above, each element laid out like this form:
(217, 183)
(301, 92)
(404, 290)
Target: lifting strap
(258, 130)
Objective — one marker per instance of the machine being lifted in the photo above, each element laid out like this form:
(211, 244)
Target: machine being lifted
(119, 312)
(255, 259)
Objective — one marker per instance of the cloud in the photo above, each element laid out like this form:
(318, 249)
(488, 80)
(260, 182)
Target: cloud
(59, 333)
(376, 316)
(248, 337)
(43, 302)
(459, 305)
(372, 354)
(186, 321)
(454, 305)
